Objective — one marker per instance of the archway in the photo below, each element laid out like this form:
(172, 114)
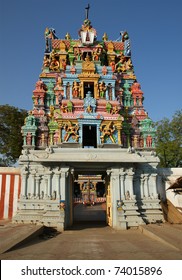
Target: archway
(89, 201)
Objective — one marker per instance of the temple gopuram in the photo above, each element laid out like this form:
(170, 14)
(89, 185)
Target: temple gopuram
(88, 137)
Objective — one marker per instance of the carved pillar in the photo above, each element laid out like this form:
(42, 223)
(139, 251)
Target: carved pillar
(115, 194)
(64, 174)
(37, 184)
(46, 186)
(71, 95)
(153, 185)
(24, 184)
(107, 93)
(49, 186)
(57, 174)
(122, 185)
(129, 184)
(142, 180)
(144, 186)
(113, 93)
(33, 189)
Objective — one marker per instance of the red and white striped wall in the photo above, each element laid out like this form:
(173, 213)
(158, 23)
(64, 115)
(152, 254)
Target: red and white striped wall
(10, 186)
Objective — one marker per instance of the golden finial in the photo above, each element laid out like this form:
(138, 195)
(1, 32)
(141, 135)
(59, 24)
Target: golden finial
(105, 37)
(67, 36)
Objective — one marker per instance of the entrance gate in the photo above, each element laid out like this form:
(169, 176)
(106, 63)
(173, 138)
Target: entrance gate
(89, 200)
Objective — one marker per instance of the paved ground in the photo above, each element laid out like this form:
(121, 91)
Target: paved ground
(92, 240)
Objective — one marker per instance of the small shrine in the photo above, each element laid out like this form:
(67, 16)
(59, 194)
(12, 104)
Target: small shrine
(88, 117)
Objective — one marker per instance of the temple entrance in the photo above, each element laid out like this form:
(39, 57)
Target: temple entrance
(89, 136)
(89, 201)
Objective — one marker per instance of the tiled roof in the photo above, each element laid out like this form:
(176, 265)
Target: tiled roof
(56, 44)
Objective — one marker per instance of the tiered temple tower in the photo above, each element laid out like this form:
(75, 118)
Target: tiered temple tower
(88, 118)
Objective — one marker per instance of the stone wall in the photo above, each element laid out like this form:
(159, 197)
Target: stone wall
(10, 187)
(168, 176)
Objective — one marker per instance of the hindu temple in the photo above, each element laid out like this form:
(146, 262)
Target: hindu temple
(88, 138)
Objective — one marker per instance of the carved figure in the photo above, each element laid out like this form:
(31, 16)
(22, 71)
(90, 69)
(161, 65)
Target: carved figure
(54, 65)
(149, 141)
(89, 102)
(76, 89)
(49, 34)
(126, 40)
(46, 61)
(108, 107)
(102, 89)
(89, 109)
(107, 131)
(112, 64)
(119, 65)
(70, 106)
(104, 70)
(71, 131)
(114, 110)
(30, 120)
(29, 138)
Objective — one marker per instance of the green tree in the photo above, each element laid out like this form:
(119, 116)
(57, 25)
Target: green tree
(11, 121)
(169, 141)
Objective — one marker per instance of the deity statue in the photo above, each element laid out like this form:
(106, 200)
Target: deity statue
(71, 131)
(76, 89)
(149, 141)
(29, 138)
(108, 107)
(30, 120)
(49, 34)
(107, 131)
(102, 89)
(54, 65)
(126, 40)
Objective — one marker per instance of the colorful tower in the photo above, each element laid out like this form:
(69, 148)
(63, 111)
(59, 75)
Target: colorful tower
(88, 116)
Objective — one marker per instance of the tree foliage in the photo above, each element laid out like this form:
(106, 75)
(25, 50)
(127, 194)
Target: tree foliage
(11, 121)
(169, 141)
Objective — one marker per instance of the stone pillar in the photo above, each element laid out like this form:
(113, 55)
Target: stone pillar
(64, 86)
(142, 181)
(153, 185)
(122, 185)
(71, 95)
(49, 186)
(129, 184)
(24, 184)
(113, 93)
(115, 194)
(37, 183)
(46, 186)
(57, 175)
(64, 174)
(33, 189)
(107, 94)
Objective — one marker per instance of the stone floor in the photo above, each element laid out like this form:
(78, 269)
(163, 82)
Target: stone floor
(92, 239)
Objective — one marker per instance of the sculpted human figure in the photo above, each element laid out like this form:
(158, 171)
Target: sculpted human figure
(76, 89)
(102, 89)
(71, 130)
(149, 141)
(107, 130)
(54, 65)
(29, 138)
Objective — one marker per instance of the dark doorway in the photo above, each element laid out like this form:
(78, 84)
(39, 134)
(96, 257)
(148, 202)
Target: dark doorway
(89, 136)
(88, 86)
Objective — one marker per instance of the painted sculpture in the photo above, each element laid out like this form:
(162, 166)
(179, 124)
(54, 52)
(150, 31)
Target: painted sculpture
(85, 80)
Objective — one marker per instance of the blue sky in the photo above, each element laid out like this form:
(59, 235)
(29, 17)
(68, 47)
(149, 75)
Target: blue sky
(154, 27)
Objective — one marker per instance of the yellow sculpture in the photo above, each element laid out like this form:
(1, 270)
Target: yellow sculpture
(107, 131)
